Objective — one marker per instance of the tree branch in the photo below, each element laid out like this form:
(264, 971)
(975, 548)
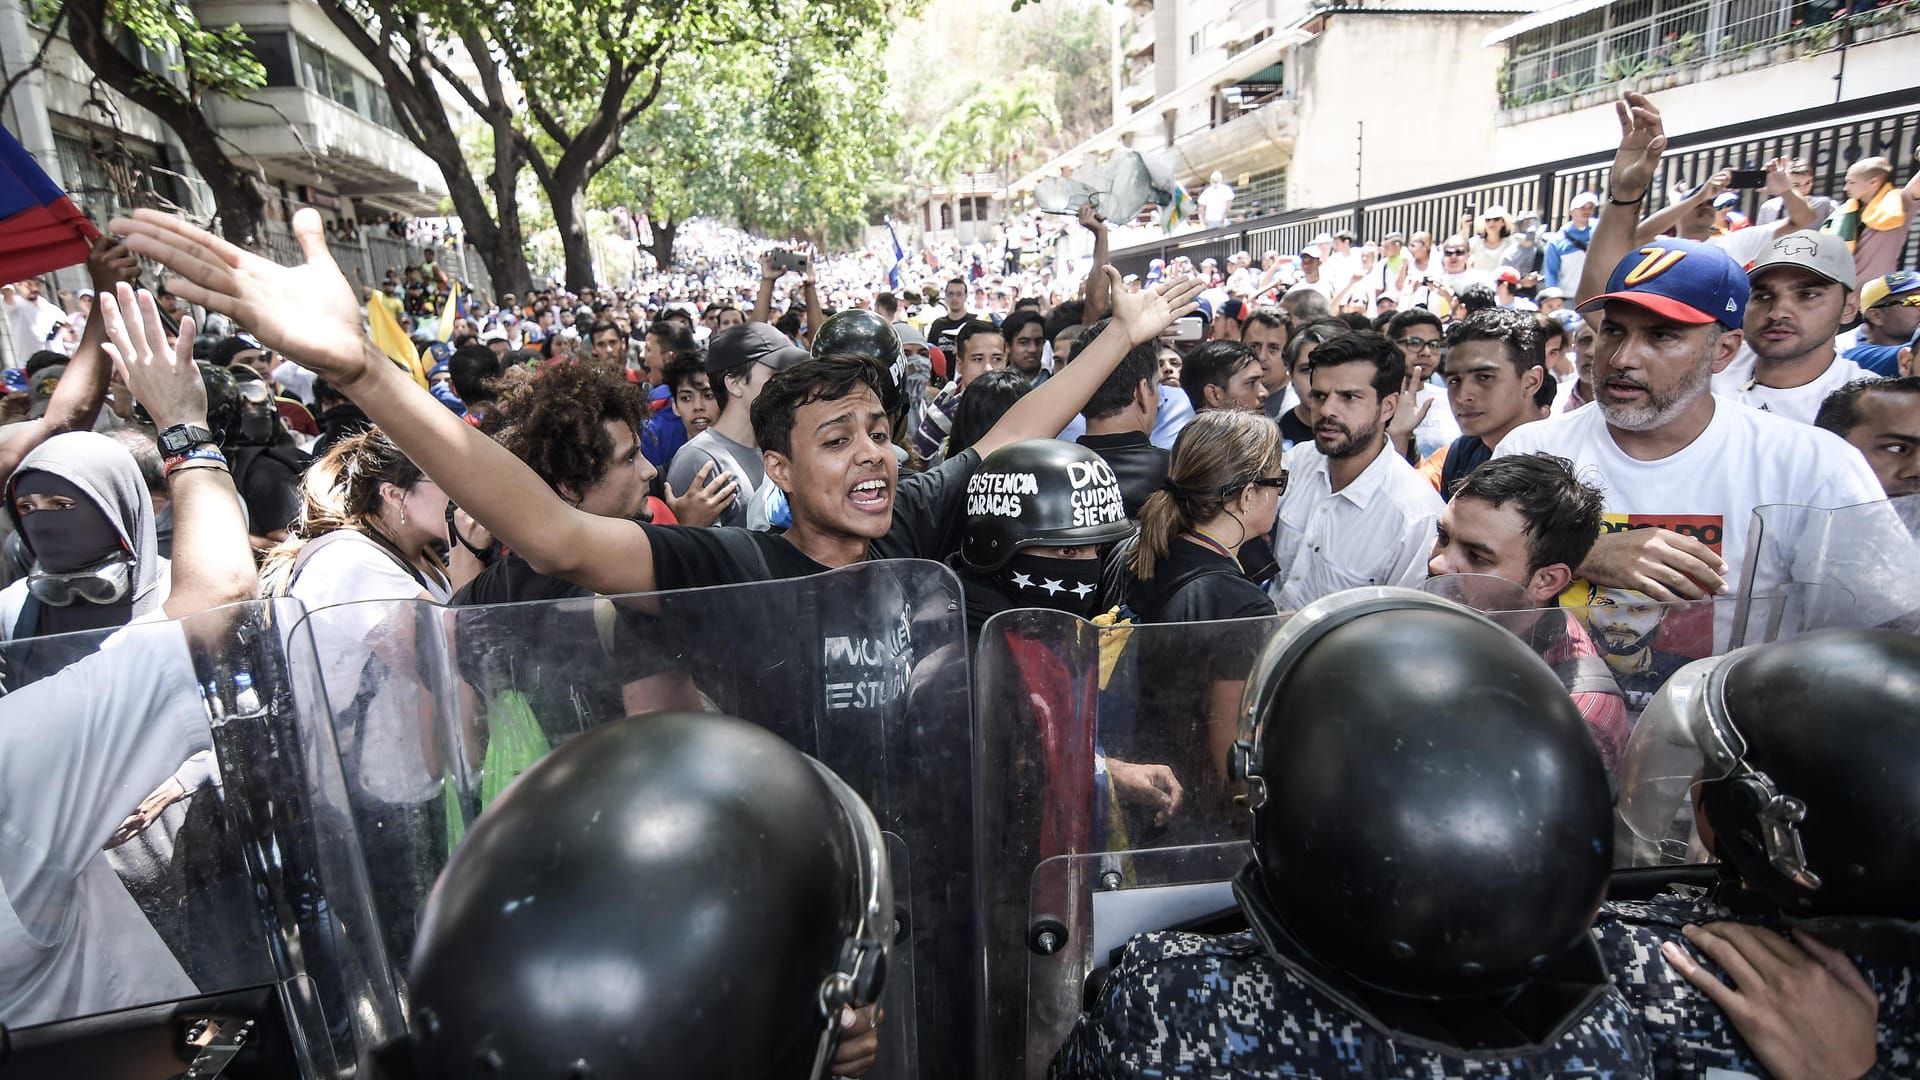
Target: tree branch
(39, 57)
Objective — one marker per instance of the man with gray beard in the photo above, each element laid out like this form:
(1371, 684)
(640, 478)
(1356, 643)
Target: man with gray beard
(1682, 469)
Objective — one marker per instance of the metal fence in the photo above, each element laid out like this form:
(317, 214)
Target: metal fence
(365, 262)
(1633, 38)
(1830, 137)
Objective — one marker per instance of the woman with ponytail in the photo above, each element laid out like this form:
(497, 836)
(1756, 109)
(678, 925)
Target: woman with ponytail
(366, 532)
(1222, 490)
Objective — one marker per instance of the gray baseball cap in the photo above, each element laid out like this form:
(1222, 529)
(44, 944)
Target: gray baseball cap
(1823, 253)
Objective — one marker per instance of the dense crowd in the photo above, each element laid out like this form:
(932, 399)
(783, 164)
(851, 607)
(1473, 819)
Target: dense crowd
(1574, 428)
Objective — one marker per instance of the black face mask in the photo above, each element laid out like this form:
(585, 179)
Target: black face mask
(1069, 585)
(66, 540)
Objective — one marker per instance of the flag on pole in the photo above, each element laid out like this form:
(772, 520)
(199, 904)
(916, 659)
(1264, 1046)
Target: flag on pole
(899, 257)
(392, 340)
(40, 228)
(449, 312)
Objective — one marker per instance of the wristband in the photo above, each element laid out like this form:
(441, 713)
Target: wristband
(189, 466)
(1627, 202)
(199, 453)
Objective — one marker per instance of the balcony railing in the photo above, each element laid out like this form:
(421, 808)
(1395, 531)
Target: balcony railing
(1632, 39)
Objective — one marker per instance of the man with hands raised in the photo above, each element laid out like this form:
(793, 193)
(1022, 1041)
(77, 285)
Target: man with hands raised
(821, 424)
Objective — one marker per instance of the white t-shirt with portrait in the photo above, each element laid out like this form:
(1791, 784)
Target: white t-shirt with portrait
(1744, 459)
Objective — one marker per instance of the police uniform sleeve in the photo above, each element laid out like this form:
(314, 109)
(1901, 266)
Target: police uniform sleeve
(80, 749)
(929, 510)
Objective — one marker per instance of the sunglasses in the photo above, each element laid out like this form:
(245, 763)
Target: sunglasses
(1277, 483)
(1453, 251)
(1909, 300)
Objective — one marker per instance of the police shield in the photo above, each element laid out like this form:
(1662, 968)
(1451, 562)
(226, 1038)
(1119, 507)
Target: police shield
(1105, 805)
(438, 709)
(1809, 568)
(164, 878)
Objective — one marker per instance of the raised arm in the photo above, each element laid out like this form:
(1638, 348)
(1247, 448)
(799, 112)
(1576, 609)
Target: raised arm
(308, 313)
(763, 301)
(1798, 212)
(76, 401)
(1137, 318)
(212, 561)
(1099, 291)
(1634, 163)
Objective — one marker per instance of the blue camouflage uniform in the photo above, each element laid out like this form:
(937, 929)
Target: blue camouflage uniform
(1188, 1005)
(1689, 1033)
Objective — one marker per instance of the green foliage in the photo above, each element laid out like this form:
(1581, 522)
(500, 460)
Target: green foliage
(200, 59)
(780, 137)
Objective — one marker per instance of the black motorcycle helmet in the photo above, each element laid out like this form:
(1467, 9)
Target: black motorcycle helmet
(680, 894)
(1814, 749)
(1040, 493)
(223, 403)
(1432, 820)
(864, 333)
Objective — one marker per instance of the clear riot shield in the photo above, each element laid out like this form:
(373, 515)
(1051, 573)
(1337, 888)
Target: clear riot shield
(1616, 652)
(437, 709)
(163, 886)
(1810, 569)
(1105, 805)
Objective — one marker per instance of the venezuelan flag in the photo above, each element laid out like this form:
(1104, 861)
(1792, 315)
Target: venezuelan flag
(40, 228)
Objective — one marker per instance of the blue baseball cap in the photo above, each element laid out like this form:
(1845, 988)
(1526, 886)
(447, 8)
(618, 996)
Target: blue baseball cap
(1682, 280)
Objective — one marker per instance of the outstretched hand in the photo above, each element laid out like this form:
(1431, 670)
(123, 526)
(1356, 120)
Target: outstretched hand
(1642, 140)
(1142, 315)
(306, 311)
(169, 386)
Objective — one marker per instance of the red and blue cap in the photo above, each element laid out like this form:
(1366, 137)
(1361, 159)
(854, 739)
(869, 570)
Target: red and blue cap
(1683, 280)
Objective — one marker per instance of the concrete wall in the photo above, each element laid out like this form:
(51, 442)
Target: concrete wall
(1767, 83)
(1423, 84)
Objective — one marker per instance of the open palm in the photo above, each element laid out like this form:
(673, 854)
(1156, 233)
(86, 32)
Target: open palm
(306, 311)
(1145, 313)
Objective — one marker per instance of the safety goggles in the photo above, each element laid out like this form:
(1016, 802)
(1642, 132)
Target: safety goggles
(101, 583)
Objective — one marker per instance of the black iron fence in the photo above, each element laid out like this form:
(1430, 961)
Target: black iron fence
(1831, 138)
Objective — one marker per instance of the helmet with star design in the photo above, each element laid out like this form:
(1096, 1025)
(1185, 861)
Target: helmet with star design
(1040, 514)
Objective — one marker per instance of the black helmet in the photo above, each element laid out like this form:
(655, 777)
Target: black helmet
(863, 332)
(1432, 821)
(1807, 754)
(680, 894)
(1041, 492)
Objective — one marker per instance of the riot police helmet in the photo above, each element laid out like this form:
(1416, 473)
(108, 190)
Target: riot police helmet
(865, 333)
(1432, 820)
(1040, 493)
(1800, 763)
(223, 402)
(678, 894)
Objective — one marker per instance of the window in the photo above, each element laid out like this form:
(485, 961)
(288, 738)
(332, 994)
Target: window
(274, 50)
(946, 215)
(1193, 44)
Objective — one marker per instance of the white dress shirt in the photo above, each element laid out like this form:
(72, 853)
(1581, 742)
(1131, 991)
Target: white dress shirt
(1378, 530)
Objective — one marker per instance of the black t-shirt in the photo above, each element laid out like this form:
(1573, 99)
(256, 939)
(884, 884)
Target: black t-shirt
(1294, 430)
(929, 511)
(940, 326)
(1224, 594)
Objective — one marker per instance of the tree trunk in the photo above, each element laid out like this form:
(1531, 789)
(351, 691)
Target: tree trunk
(570, 217)
(664, 234)
(236, 200)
